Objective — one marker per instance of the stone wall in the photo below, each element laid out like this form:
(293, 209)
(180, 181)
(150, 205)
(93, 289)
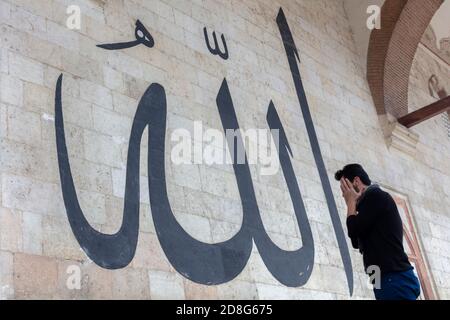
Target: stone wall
(100, 93)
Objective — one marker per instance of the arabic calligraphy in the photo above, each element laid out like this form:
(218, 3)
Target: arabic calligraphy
(204, 263)
(216, 50)
(293, 57)
(142, 37)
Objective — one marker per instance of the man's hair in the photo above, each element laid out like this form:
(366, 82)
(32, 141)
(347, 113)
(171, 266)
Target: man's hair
(351, 171)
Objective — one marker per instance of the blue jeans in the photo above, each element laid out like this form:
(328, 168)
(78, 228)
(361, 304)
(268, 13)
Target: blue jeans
(398, 286)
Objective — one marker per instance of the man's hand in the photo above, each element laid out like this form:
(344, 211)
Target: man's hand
(350, 195)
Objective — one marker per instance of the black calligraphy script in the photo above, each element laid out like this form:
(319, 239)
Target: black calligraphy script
(216, 50)
(142, 37)
(201, 262)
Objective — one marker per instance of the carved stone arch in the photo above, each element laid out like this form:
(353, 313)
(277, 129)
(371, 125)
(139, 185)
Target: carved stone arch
(392, 49)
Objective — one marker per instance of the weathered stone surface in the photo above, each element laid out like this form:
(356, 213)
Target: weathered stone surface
(35, 277)
(100, 94)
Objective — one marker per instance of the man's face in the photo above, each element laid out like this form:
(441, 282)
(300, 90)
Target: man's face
(356, 185)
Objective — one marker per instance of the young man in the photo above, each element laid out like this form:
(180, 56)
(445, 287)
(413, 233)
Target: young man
(375, 228)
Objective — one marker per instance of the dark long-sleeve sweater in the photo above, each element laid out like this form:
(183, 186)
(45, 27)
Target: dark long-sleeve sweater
(377, 231)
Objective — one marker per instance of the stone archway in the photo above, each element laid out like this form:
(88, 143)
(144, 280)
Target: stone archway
(392, 49)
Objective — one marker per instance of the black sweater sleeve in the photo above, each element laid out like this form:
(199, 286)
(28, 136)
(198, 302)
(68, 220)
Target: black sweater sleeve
(369, 211)
(355, 242)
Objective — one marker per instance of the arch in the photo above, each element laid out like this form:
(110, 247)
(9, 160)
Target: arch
(392, 49)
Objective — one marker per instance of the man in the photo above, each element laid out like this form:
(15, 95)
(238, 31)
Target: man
(375, 228)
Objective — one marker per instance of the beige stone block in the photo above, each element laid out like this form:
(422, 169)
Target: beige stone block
(358, 290)
(35, 25)
(198, 227)
(89, 48)
(126, 64)
(85, 68)
(90, 176)
(74, 141)
(35, 277)
(100, 32)
(162, 9)
(26, 69)
(302, 294)
(444, 293)
(93, 10)
(317, 211)
(146, 223)
(111, 123)
(195, 202)
(29, 195)
(24, 126)
(315, 281)
(186, 176)
(37, 97)
(321, 254)
(96, 94)
(326, 234)
(149, 254)
(93, 206)
(33, 161)
(70, 85)
(334, 256)
(113, 80)
(4, 65)
(3, 121)
(59, 240)
(334, 280)
(11, 230)
(212, 206)
(119, 182)
(41, 50)
(201, 14)
(11, 90)
(273, 292)
(5, 11)
(63, 36)
(103, 149)
(164, 285)
(195, 291)
(241, 290)
(259, 272)
(32, 233)
(276, 222)
(99, 282)
(186, 22)
(40, 9)
(6, 275)
(219, 182)
(114, 216)
(124, 104)
(175, 194)
(69, 273)
(222, 231)
(134, 87)
(130, 283)
(115, 15)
